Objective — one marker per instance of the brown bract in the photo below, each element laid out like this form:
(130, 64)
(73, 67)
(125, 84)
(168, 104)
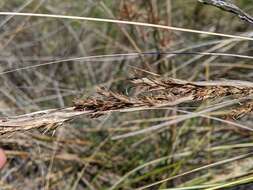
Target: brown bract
(157, 92)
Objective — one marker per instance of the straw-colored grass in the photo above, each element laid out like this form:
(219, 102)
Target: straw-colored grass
(126, 94)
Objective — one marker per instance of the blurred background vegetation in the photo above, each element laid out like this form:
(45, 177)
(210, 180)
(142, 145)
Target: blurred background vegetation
(81, 154)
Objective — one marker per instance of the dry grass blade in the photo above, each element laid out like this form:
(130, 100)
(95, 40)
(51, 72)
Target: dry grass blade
(128, 23)
(121, 56)
(153, 92)
(183, 118)
(86, 58)
(228, 6)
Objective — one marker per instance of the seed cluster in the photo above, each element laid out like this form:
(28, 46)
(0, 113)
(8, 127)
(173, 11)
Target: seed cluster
(151, 92)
